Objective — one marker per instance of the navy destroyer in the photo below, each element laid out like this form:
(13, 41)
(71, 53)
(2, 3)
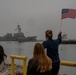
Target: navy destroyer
(19, 36)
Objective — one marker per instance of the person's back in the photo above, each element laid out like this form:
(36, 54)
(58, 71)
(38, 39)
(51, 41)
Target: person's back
(52, 50)
(32, 68)
(40, 64)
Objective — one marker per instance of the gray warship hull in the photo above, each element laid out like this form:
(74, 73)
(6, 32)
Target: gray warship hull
(19, 39)
(19, 36)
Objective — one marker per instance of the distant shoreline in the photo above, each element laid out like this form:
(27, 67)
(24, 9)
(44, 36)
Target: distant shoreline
(63, 41)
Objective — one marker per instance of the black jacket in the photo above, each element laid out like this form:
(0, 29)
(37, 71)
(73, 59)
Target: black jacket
(52, 48)
(32, 68)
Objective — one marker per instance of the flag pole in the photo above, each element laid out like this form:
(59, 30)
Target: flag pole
(61, 25)
(61, 20)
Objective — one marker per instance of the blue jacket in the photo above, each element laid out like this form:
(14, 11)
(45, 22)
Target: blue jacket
(52, 48)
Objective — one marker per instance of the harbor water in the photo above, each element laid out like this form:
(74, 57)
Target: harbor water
(67, 52)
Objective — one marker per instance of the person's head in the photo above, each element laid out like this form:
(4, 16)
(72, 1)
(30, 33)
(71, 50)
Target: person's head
(38, 50)
(2, 51)
(1, 54)
(48, 34)
(44, 62)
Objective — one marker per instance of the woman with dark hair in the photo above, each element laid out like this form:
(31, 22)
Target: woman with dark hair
(52, 50)
(3, 56)
(40, 64)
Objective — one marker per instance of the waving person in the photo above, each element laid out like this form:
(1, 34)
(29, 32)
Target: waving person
(52, 50)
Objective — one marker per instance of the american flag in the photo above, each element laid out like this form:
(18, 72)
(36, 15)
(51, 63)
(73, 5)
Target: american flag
(68, 13)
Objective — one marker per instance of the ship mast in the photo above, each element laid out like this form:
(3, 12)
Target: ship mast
(18, 28)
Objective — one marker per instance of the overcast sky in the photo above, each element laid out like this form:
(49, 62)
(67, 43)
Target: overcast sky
(36, 16)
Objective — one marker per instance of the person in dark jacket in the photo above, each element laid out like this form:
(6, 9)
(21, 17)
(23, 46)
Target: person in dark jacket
(2, 54)
(40, 63)
(52, 50)
(3, 57)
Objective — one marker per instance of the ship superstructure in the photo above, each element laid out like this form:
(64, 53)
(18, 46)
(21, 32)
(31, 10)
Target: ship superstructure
(19, 36)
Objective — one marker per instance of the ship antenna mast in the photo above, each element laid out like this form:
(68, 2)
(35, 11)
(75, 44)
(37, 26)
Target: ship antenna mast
(18, 28)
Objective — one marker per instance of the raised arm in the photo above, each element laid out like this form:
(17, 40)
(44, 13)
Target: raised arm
(59, 39)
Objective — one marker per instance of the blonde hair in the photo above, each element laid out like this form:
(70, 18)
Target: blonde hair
(44, 62)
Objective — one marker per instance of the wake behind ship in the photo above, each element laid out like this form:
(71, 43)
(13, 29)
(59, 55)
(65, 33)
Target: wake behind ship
(19, 36)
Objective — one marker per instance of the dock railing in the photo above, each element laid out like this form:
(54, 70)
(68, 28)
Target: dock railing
(64, 63)
(13, 64)
(68, 63)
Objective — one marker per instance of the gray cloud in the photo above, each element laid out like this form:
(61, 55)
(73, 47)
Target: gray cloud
(36, 16)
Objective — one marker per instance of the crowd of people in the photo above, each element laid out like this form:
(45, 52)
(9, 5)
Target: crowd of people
(42, 63)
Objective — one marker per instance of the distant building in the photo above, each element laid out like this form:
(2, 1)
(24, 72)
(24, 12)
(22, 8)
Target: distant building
(64, 36)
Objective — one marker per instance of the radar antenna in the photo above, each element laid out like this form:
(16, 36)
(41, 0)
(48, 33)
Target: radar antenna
(18, 28)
